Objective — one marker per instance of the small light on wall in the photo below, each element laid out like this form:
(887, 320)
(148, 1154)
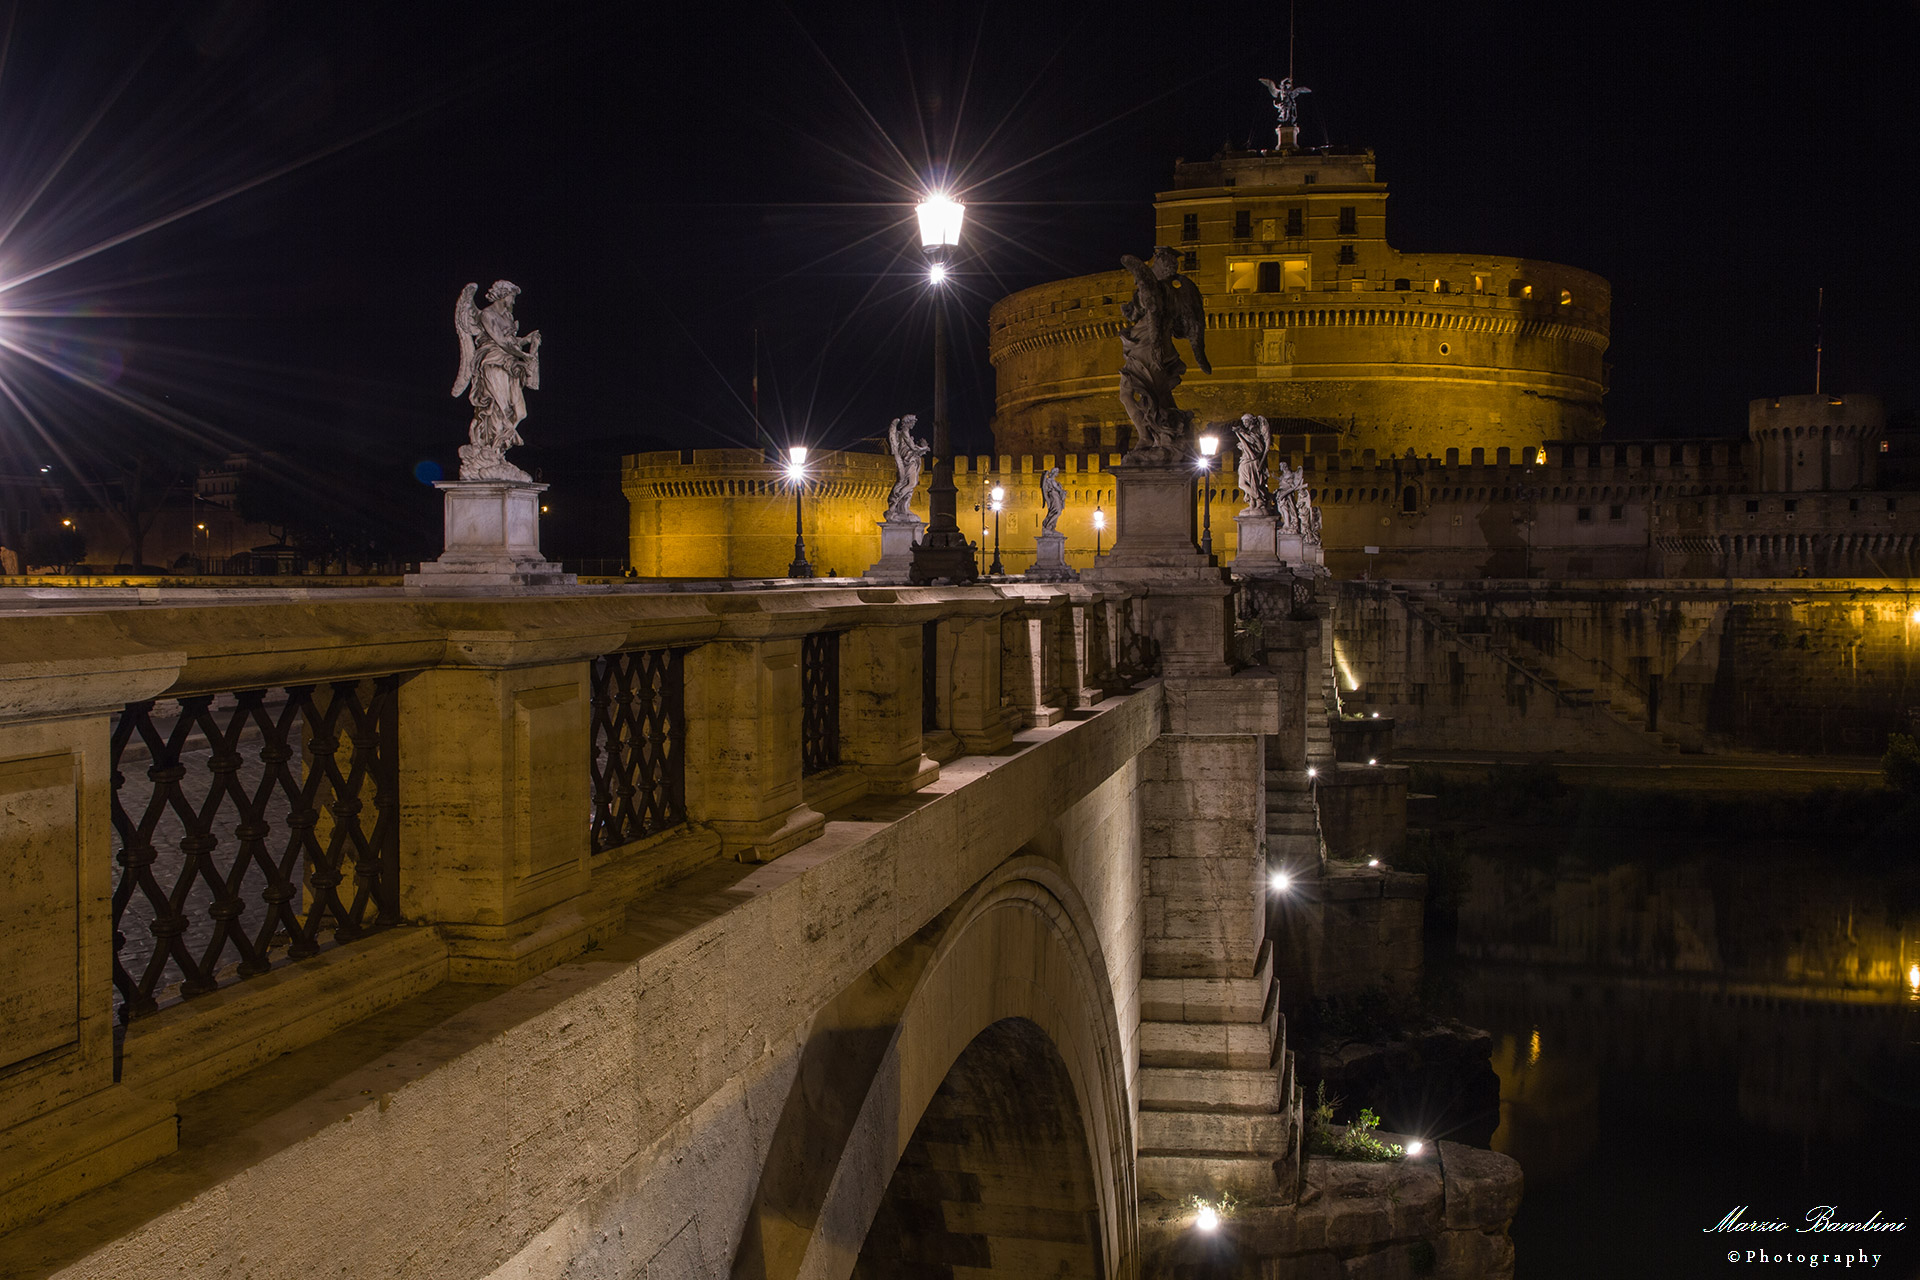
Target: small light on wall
(1373, 862)
(1415, 1147)
(1099, 518)
(1372, 760)
(1913, 978)
(1280, 881)
(1207, 1219)
(1376, 715)
(1312, 772)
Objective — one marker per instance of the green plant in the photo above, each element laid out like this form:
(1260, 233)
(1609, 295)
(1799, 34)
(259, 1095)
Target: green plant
(1356, 1142)
(1901, 765)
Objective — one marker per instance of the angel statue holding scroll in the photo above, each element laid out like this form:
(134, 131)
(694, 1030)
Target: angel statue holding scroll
(497, 368)
(909, 454)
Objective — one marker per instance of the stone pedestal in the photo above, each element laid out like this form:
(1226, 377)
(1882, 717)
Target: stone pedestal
(1186, 598)
(492, 540)
(897, 540)
(1050, 562)
(1258, 555)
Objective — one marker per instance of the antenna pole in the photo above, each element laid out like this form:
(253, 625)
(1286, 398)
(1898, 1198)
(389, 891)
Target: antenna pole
(1819, 336)
(1292, 8)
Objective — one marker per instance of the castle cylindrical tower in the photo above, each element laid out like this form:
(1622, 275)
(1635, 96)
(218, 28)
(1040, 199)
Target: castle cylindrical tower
(1316, 322)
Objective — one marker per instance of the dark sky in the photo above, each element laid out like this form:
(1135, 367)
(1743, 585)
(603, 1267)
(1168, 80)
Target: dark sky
(661, 179)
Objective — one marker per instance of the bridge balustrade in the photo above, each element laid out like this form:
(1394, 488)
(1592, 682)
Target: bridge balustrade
(315, 809)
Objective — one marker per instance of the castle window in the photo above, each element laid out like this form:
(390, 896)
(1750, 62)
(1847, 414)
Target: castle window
(1853, 504)
(1791, 505)
(1349, 221)
(1311, 179)
(1893, 504)
(1409, 499)
(1296, 223)
(1190, 261)
(1566, 297)
(1269, 277)
(1296, 270)
(1346, 255)
(1241, 276)
(1189, 226)
(1616, 512)
(1883, 446)
(1441, 286)
(1753, 505)
(1243, 224)
(1519, 289)
(1402, 284)
(1584, 515)
(1479, 284)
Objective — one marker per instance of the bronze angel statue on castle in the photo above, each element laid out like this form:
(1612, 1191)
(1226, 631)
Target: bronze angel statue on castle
(497, 368)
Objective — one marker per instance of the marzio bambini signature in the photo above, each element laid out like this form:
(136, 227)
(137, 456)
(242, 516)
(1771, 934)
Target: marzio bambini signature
(1820, 1218)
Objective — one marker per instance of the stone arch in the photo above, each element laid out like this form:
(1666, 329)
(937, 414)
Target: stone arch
(1015, 966)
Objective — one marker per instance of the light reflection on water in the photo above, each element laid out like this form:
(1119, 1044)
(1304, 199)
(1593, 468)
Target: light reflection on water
(1681, 1029)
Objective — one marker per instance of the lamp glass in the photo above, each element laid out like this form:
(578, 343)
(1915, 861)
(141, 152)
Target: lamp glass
(940, 218)
(798, 455)
(1099, 518)
(1209, 445)
(998, 493)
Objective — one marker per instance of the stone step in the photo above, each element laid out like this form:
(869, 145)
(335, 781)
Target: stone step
(1204, 999)
(1297, 823)
(1210, 1089)
(1212, 1133)
(1174, 1177)
(1239, 1046)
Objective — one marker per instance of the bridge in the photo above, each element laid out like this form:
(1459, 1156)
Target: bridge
(812, 930)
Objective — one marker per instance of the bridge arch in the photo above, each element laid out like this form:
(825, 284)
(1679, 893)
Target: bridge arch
(1010, 982)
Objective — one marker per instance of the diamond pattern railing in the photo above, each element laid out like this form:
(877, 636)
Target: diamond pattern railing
(247, 838)
(819, 701)
(638, 757)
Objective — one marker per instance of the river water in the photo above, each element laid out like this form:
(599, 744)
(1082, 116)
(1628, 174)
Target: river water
(1689, 1026)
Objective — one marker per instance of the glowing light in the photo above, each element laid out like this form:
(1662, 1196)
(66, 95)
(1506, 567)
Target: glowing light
(1916, 612)
(202, 528)
(937, 273)
(998, 493)
(44, 470)
(1376, 715)
(1206, 1219)
(940, 219)
(544, 508)
(1100, 522)
(1280, 881)
(797, 462)
(1533, 1048)
(1372, 760)
(66, 524)
(1209, 445)
(1312, 772)
(1415, 1147)
(1913, 978)
(1373, 862)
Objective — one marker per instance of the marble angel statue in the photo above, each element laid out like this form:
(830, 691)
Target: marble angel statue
(497, 368)
(909, 455)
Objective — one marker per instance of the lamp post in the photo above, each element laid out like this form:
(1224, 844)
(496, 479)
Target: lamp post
(797, 472)
(1099, 527)
(942, 552)
(1209, 445)
(997, 499)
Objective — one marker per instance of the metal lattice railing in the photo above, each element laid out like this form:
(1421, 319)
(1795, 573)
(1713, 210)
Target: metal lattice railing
(247, 838)
(638, 758)
(819, 701)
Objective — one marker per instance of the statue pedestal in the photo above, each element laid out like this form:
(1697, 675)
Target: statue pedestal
(1050, 563)
(1186, 599)
(897, 540)
(492, 540)
(1258, 554)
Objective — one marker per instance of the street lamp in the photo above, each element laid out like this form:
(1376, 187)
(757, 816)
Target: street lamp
(797, 473)
(996, 499)
(942, 552)
(1099, 527)
(1209, 445)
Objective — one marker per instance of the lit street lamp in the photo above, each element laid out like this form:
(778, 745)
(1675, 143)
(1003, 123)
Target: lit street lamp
(942, 552)
(797, 473)
(1099, 527)
(999, 497)
(1209, 445)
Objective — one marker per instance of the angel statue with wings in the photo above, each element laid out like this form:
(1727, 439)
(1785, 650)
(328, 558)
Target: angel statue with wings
(1255, 437)
(497, 368)
(1165, 305)
(908, 457)
(1055, 496)
(1286, 99)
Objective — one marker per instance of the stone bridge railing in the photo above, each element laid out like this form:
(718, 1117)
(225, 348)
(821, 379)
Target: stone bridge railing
(233, 828)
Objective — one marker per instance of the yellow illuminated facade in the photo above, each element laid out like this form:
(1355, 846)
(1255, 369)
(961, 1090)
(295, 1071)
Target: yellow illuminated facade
(1316, 322)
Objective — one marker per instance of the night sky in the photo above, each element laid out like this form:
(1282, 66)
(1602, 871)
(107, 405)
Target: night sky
(661, 180)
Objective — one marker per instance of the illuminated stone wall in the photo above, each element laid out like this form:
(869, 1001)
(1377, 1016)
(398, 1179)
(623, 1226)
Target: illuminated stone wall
(1318, 322)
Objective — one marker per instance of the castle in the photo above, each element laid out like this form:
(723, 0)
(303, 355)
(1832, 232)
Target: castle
(1444, 408)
